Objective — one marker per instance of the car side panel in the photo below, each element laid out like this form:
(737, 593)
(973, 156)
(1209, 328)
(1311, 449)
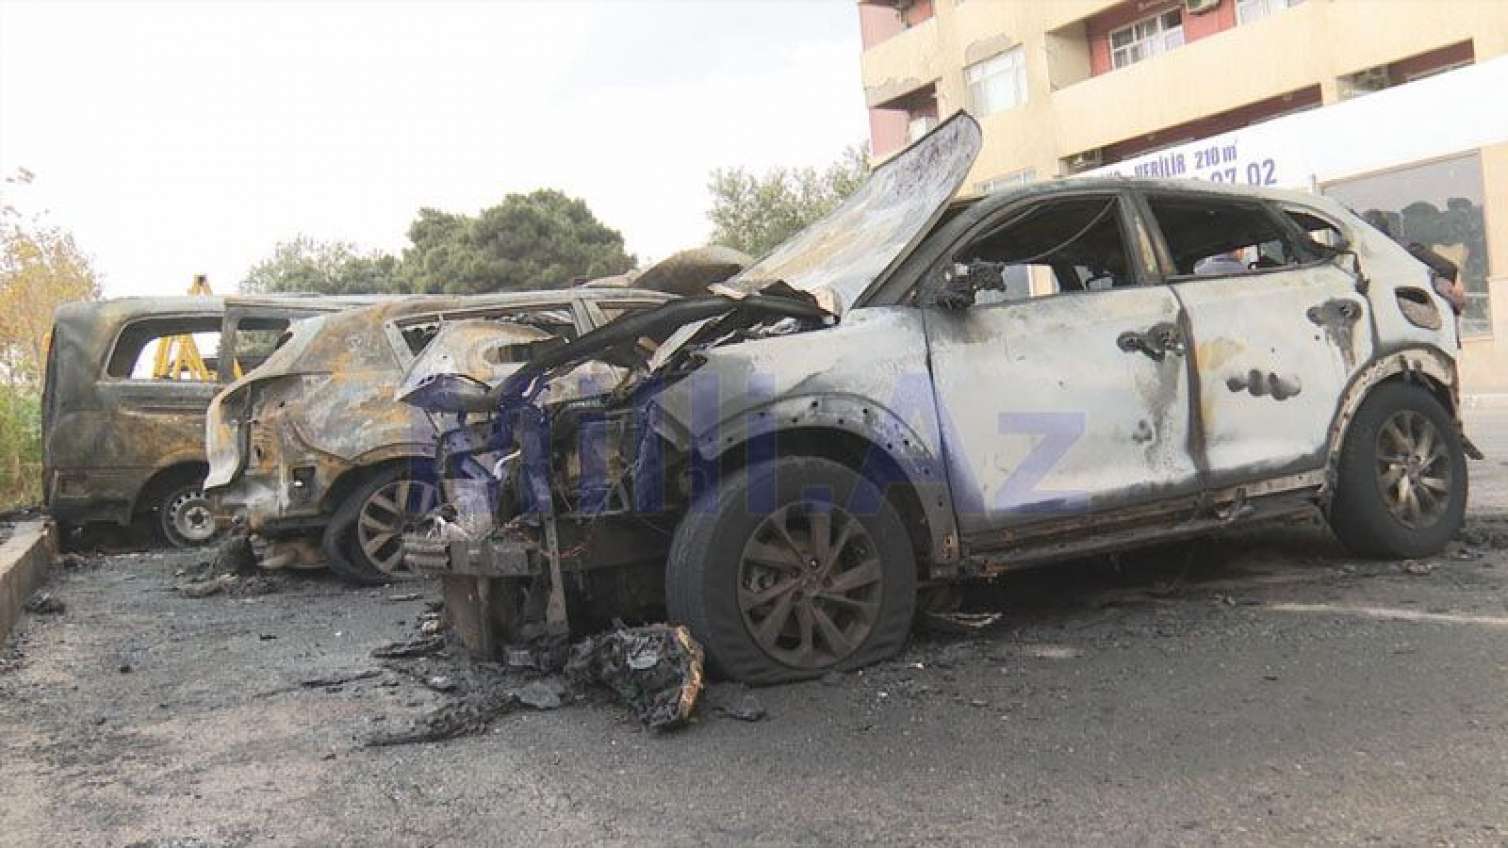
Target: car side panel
(1274, 352)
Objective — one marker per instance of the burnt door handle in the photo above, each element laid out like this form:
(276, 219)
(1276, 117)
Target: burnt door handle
(1157, 342)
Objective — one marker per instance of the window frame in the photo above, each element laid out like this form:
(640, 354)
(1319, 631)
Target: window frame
(127, 325)
(1156, 40)
(1015, 68)
(971, 228)
(1293, 236)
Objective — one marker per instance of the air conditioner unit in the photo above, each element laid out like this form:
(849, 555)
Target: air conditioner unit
(1083, 161)
(1200, 7)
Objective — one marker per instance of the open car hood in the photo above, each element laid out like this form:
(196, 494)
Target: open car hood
(866, 235)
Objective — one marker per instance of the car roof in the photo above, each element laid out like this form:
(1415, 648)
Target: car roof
(1064, 185)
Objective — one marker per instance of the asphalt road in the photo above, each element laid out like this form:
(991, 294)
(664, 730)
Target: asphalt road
(1254, 689)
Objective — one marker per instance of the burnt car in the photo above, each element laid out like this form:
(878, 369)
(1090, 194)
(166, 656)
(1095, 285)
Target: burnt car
(124, 400)
(313, 455)
(918, 390)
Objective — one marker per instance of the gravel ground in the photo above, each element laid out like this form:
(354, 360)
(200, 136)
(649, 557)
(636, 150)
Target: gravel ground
(1253, 689)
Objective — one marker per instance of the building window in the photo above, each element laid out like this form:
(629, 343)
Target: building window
(1012, 180)
(997, 83)
(1248, 11)
(1146, 38)
(919, 125)
(1439, 205)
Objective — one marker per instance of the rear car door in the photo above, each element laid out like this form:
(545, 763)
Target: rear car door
(1063, 389)
(1277, 330)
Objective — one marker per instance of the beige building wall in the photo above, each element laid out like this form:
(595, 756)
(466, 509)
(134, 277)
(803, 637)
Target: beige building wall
(1069, 111)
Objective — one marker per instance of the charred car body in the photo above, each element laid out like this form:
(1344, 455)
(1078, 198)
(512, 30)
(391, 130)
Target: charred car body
(914, 391)
(124, 427)
(317, 460)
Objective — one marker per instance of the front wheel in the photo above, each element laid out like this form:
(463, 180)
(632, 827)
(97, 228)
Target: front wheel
(791, 569)
(1401, 479)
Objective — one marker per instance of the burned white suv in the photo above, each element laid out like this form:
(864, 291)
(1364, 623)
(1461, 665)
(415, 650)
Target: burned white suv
(917, 390)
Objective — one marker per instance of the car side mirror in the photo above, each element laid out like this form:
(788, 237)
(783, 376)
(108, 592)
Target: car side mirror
(961, 281)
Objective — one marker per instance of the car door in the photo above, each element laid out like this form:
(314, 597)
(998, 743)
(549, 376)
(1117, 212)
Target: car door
(1073, 399)
(1277, 331)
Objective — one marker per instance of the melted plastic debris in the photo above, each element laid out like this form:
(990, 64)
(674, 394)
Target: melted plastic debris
(656, 670)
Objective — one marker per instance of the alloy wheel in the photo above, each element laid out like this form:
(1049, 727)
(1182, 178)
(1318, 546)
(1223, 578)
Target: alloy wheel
(810, 585)
(387, 514)
(1413, 469)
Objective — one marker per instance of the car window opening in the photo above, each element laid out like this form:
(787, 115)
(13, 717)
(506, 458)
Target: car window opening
(183, 349)
(1074, 245)
(1216, 238)
(256, 339)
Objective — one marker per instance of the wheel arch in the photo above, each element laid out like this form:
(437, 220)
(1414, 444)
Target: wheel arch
(166, 478)
(1428, 367)
(350, 479)
(863, 436)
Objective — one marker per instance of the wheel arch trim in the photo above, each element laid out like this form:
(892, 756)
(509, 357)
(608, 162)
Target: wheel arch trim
(1429, 365)
(856, 417)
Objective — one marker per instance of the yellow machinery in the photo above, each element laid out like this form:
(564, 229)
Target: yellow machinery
(177, 356)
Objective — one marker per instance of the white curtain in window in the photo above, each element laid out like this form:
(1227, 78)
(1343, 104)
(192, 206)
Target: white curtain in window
(997, 83)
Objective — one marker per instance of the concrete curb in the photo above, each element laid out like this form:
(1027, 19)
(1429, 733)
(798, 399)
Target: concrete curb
(24, 560)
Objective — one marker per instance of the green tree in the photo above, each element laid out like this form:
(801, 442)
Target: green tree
(334, 267)
(541, 240)
(756, 213)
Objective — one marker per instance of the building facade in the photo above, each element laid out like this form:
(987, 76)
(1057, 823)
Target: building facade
(1396, 107)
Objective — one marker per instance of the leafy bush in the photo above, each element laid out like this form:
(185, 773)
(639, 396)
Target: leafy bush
(20, 446)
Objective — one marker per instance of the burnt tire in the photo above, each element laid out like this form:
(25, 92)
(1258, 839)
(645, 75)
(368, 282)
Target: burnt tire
(724, 580)
(363, 542)
(185, 518)
(1401, 481)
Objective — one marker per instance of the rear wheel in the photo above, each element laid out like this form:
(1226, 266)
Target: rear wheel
(185, 518)
(1401, 484)
(820, 578)
(364, 540)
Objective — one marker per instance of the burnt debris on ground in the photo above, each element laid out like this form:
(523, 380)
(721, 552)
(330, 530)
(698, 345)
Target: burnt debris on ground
(232, 570)
(656, 670)
(44, 603)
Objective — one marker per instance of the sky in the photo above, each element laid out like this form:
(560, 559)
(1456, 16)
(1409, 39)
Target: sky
(181, 138)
